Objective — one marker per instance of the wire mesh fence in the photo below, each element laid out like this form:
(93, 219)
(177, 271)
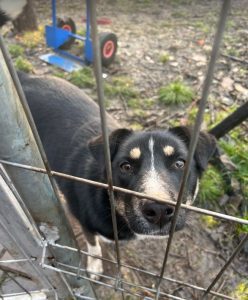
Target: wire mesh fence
(42, 259)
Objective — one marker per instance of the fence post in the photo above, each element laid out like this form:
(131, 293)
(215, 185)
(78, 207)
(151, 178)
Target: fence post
(18, 145)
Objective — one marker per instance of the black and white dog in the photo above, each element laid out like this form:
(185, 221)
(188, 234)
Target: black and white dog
(149, 162)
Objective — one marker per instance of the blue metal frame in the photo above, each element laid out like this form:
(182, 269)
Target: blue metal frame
(55, 37)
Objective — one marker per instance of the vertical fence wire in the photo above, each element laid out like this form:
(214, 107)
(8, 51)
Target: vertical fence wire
(100, 92)
(38, 142)
(98, 73)
(23, 252)
(29, 117)
(196, 131)
(229, 261)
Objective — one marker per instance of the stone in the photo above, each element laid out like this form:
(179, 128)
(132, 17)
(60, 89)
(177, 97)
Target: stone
(239, 88)
(227, 84)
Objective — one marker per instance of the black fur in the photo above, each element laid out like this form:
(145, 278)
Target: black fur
(3, 18)
(69, 127)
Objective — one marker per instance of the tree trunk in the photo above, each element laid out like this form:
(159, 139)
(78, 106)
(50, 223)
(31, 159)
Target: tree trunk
(26, 21)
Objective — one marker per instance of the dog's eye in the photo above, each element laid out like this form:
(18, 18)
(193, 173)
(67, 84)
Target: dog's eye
(125, 167)
(179, 164)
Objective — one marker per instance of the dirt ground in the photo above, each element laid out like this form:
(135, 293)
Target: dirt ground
(185, 30)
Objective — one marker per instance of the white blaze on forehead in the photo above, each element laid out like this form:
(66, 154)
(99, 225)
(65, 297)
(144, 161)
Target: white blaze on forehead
(135, 153)
(151, 148)
(153, 185)
(168, 150)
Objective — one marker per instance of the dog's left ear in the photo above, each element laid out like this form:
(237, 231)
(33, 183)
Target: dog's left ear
(205, 148)
(115, 139)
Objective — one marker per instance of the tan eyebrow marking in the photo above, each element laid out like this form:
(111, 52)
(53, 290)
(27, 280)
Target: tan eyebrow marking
(168, 150)
(135, 153)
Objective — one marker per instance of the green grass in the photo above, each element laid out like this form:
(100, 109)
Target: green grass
(241, 228)
(59, 74)
(32, 39)
(237, 148)
(83, 78)
(15, 50)
(176, 93)
(22, 64)
(134, 103)
(136, 126)
(241, 291)
(202, 26)
(210, 221)
(212, 187)
(164, 57)
(120, 87)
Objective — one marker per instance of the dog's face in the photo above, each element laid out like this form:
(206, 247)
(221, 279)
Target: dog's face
(153, 163)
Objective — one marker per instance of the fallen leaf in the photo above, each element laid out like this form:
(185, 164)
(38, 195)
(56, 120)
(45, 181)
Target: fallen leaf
(227, 84)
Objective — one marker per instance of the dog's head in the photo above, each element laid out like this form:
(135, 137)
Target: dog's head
(153, 163)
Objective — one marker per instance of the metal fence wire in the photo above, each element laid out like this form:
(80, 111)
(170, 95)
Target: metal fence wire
(116, 281)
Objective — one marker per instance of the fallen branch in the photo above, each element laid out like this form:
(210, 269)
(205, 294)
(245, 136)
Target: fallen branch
(235, 58)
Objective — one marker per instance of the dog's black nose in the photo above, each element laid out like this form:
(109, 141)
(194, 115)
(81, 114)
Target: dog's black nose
(157, 213)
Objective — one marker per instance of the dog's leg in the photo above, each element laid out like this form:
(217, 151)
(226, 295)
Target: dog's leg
(94, 265)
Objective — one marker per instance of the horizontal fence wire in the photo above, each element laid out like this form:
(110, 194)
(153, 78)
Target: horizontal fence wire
(119, 284)
(195, 287)
(127, 191)
(35, 294)
(29, 260)
(12, 261)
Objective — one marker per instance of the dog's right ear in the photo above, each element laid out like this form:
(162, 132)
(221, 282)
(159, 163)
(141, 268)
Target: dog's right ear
(115, 139)
(205, 148)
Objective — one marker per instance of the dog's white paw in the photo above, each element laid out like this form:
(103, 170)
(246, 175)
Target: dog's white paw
(94, 265)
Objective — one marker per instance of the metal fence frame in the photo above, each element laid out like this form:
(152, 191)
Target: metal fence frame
(117, 282)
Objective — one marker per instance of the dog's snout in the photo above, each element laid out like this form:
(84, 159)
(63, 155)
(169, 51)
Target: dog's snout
(157, 213)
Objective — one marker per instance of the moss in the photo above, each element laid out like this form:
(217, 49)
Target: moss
(136, 126)
(16, 50)
(241, 228)
(212, 187)
(82, 78)
(22, 64)
(241, 291)
(176, 93)
(33, 39)
(210, 221)
(164, 57)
